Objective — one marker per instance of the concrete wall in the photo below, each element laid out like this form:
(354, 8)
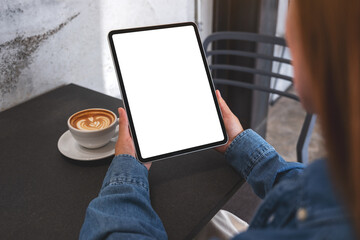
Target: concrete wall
(48, 43)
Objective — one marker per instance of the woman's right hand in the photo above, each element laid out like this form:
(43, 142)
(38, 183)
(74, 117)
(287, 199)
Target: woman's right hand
(232, 124)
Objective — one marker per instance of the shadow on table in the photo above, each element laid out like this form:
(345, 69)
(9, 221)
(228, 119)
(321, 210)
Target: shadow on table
(92, 163)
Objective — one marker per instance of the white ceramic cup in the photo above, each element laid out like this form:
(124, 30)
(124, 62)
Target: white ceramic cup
(94, 138)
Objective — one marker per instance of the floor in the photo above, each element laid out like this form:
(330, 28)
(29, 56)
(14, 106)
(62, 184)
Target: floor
(285, 119)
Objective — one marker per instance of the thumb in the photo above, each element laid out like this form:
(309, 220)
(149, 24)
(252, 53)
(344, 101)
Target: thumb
(225, 110)
(123, 122)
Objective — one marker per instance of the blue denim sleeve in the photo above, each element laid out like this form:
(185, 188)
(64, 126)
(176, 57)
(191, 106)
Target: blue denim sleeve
(259, 163)
(122, 209)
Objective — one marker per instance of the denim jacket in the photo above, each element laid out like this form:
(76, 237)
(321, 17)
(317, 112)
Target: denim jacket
(299, 203)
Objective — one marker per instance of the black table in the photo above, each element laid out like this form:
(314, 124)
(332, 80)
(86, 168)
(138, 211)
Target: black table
(44, 195)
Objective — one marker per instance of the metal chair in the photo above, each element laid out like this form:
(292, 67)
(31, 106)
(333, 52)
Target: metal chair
(258, 39)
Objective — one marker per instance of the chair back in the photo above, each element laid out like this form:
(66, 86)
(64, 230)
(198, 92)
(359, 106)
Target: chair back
(254, 38)
(218, 53)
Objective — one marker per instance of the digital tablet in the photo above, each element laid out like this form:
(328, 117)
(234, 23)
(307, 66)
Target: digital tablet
(167, 90)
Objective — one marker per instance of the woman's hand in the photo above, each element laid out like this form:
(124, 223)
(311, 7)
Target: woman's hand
(125, 144)
(232, 124)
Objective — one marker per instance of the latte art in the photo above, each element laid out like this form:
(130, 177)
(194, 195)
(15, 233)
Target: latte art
(93, 123)
(92, 120)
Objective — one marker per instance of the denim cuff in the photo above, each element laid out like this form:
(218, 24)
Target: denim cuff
(125, 169)
(246, 150)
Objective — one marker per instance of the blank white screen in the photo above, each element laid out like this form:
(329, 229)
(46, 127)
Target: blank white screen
(167, 89)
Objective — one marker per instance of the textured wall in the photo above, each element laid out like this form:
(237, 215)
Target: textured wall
(48, 43)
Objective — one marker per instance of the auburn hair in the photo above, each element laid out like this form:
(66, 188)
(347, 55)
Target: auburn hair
(330, 37)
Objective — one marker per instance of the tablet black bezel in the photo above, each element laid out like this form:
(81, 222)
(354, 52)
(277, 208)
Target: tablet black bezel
(126, 103)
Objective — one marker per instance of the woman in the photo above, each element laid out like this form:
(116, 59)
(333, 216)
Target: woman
(321, 201)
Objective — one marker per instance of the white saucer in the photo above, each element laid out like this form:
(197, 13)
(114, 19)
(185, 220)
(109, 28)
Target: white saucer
(71, 149)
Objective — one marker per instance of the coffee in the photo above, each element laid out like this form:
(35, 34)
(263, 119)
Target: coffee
(92, 119)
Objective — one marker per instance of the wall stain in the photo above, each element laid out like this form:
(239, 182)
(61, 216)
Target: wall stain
(9, 13)
(15, 55)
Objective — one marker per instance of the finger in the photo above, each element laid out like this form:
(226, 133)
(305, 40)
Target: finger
(218, 95)
(123, 122)
(223, 106)
(219, 98)
(147, 165)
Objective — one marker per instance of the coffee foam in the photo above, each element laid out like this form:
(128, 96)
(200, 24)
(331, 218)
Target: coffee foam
(92, 120)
